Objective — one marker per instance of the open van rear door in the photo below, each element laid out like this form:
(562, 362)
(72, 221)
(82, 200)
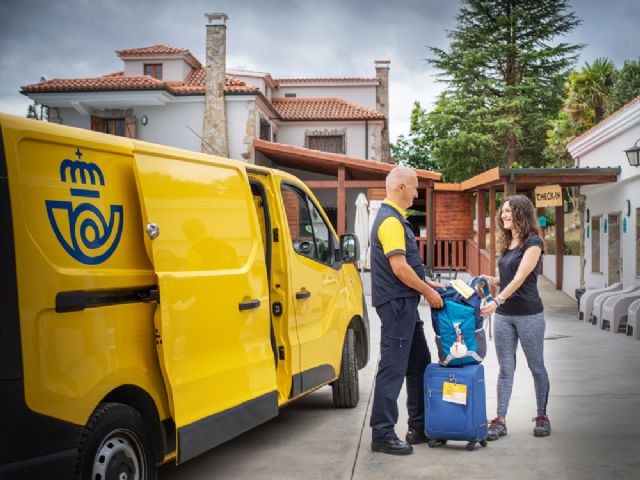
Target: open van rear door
(212, 322)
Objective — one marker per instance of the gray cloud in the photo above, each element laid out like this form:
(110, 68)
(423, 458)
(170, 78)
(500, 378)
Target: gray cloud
(288, 38)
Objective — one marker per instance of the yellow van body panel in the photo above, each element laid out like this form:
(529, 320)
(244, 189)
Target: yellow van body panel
(170, 272)
(336, 298)
(72, 360)
(209, 259)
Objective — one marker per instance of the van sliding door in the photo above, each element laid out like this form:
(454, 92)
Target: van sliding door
(212, 323)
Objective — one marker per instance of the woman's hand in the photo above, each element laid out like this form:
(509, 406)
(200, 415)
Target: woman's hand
(489, 308)
(495, 281)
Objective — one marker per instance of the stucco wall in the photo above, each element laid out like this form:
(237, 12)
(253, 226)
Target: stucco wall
(237, 113)
(167, 124)
(69, 116)
(293, 133)
(611, 198)
(570, 272)
(172, 70)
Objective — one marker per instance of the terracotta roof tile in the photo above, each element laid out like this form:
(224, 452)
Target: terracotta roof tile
(606, 120)
(322, 109)
(193, 84)
(326, 80)
(160, 50)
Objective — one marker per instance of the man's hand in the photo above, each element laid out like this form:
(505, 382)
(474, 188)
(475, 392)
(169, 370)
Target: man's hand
(433, 298)
(433, 284)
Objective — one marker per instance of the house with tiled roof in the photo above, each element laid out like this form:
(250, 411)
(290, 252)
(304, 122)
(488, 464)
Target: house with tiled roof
(164, 94)
(611, 223)
(320, 129)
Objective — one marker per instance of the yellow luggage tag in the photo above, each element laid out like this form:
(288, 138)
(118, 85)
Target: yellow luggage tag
(454, 393)
(462, 288)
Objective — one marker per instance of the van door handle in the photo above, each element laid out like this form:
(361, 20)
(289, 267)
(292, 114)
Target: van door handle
(303, 294)
(251, 304)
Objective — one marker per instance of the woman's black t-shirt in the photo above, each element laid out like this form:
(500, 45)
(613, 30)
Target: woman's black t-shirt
(526, 299)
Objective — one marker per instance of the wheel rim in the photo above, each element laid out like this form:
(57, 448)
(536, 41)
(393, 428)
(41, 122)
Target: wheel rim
(119, 457)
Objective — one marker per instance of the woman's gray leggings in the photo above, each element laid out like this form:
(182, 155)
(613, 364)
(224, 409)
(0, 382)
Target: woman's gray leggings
(530, 330)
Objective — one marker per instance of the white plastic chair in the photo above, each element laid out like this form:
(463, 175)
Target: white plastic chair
(633, 320)
(596, 314)
(615, 309)
(588, 297)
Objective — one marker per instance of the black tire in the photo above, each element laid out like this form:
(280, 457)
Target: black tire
(116, 440)
(346, 391)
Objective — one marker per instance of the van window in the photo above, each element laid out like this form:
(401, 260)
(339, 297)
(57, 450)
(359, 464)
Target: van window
(309, 232)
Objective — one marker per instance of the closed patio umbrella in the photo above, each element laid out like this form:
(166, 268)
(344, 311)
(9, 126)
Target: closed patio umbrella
(362, 227)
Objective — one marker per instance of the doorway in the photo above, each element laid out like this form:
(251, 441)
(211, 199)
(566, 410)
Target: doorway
(615, 253)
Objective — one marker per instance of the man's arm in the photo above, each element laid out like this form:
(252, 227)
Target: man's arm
(408, 276)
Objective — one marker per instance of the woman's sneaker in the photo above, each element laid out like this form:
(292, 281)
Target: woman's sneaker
(497, 429)
(543, 426)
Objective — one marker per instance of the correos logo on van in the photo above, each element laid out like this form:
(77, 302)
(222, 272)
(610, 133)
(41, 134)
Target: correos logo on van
(82, 230)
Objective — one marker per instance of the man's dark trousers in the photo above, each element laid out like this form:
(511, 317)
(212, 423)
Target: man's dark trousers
(403, 353)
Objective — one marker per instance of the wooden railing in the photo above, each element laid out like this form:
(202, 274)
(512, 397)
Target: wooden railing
(456, 255)
(477, 263)
(449, 255)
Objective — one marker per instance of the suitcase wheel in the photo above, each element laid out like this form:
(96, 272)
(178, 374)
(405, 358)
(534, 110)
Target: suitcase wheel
(483, 443)
(434, 442)
(471, 445)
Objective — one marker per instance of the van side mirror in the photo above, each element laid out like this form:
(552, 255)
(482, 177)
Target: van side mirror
(349, 248)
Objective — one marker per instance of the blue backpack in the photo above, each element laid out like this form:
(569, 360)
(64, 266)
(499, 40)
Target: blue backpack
(459, 328)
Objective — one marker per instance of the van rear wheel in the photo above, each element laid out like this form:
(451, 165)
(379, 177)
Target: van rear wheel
(116, 445)
(346, 392)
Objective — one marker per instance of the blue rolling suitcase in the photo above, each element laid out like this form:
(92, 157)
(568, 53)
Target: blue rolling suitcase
(455, 404)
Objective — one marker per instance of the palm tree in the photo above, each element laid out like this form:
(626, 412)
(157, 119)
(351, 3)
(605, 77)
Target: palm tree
(592, 87)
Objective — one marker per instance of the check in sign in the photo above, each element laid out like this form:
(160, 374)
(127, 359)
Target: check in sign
(548, 196)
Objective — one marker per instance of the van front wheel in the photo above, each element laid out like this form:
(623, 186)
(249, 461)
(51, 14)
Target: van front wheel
(346, 392)
(115, 444)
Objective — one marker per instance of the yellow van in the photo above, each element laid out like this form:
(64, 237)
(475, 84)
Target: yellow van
(158, 302)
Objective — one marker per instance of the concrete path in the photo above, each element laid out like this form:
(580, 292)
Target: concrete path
(594, 407)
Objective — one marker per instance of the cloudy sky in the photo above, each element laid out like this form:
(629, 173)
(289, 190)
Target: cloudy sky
(288, 38)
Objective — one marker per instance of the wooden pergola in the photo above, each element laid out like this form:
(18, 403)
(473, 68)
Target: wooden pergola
(350, 172)
(449, 207)
(520, 180)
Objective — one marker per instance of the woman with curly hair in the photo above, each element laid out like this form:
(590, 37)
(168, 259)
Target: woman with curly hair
(519, 310)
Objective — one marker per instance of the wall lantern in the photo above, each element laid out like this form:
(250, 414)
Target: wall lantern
(633, 154)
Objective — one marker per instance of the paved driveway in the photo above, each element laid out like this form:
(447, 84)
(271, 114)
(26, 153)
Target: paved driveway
(594, 406)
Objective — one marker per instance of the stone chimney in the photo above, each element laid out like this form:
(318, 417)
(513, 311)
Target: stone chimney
(215, 118)
(382, 104)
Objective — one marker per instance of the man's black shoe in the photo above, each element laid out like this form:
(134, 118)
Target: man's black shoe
(392, 447)
(416, 436)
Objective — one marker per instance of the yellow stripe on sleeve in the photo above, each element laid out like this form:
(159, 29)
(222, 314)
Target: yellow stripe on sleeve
(391, 236)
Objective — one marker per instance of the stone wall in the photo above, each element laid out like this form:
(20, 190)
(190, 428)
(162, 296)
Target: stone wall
(382, 105)
(215, 122)
(250, 131)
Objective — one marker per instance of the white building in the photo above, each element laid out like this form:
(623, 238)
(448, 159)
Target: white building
(163, 94)
(612, 227)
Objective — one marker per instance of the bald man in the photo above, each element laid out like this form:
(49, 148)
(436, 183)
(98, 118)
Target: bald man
(398, 281)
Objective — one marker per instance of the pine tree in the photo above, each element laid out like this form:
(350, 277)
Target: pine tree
(626, 86)
(504, 77)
